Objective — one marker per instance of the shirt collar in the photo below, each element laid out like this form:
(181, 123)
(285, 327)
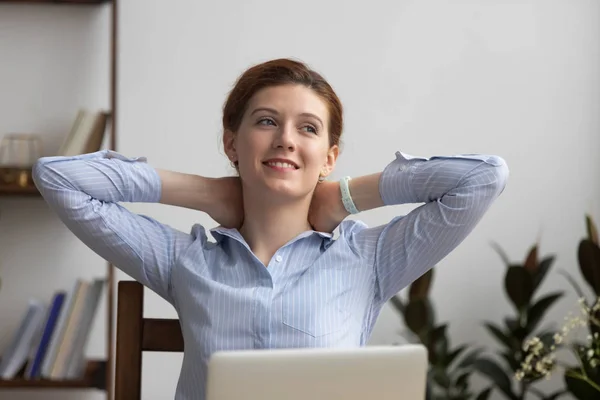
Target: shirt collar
(220, 232)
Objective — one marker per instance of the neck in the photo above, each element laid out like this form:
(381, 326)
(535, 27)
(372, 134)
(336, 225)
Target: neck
(270, 224)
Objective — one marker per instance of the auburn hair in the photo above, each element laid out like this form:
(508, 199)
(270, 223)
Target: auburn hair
(278, 72)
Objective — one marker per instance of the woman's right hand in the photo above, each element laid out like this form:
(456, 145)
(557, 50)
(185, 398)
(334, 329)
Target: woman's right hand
(227, 207)
(220, 198)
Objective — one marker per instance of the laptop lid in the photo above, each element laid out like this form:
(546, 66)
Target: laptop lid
(371, 372)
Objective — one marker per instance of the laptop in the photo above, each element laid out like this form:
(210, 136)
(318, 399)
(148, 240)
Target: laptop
(371, 372)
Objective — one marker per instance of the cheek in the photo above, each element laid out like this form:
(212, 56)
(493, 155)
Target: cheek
(318, 155)
(252, 147)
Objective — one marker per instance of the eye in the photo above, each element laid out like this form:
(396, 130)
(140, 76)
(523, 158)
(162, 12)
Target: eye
(266, 121)
(311, 128)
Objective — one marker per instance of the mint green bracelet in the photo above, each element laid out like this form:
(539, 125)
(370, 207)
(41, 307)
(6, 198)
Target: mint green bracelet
(346, 197)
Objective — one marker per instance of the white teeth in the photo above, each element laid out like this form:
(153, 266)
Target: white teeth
(281, 165)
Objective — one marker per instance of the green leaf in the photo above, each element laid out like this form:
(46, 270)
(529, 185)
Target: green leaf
(518, 284)
(501, 253)
(419, 289)
(531, 263)
(470, 358)
(542, 271)
(588, 255)
(485, 394)
(502, 337)
(430, 313)
(511, 324)
(398, 304)
(497, 375)
(517, 332)
(453, 355)
(509, 357)
(462, 381)
(537, 311)
(437, 344)
(578, 387)
(416, 316)
(441, 377)
(592, 232)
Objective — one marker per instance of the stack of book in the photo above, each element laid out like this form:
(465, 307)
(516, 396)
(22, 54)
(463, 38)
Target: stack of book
(51, 340)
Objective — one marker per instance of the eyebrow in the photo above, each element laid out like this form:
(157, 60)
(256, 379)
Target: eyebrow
(273, 111)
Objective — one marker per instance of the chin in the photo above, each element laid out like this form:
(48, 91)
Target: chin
(283, 188)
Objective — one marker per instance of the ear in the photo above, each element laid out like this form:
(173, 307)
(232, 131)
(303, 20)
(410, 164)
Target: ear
(332, 155)
(229, 145)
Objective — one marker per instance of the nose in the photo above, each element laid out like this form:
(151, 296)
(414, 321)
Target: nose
(285, 138)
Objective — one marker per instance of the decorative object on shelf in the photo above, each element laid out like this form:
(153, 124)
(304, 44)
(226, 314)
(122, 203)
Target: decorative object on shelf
(18, 153)
(86, 135)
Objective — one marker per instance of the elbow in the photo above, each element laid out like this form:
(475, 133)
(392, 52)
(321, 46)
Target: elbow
(38, 172)
(501, 174)
(46, 177)
(489, 179)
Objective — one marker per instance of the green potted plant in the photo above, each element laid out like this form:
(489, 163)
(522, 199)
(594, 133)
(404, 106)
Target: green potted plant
(449, 367)
(521, 283)
(583, 378)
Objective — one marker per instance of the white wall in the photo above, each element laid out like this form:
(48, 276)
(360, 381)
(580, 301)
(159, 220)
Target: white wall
(519, 80)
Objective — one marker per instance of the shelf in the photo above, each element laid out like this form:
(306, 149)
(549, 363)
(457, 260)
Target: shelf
(57, 1)
(17, 182)
(14, 190)
(95, 378)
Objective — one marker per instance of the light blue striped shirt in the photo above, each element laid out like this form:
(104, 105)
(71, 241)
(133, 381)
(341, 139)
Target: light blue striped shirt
(317, 290)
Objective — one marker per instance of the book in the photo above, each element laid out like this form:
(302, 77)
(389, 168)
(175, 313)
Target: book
(59, 330)
(76, 361)
(86, 135)
(16, 356)
(51, 338)
(34, 368)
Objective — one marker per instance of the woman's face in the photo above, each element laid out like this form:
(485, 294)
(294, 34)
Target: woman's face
(282, 145)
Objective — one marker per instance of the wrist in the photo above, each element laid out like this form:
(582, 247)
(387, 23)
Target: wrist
(185, 190)
(341, 211)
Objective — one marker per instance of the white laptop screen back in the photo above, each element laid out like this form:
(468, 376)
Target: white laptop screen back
(372, 372)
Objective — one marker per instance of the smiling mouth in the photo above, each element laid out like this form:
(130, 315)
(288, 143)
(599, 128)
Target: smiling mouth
(280, 166)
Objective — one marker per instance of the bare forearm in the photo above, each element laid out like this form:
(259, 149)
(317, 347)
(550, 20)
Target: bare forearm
(185, 190)
(365, 192)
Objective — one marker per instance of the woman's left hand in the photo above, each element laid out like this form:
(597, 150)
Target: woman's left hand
(326, 210)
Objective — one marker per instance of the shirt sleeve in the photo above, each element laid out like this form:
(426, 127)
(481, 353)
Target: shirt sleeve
(456, 192)
(85, 192)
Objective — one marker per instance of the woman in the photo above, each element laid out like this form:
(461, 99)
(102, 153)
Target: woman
(275, 277)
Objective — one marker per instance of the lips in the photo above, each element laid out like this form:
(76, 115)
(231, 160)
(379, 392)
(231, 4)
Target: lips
(281, 161)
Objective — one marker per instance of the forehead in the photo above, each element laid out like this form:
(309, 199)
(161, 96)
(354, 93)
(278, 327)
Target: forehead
(289, 99)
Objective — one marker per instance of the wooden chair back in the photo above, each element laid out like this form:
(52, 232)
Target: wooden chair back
(136, 334)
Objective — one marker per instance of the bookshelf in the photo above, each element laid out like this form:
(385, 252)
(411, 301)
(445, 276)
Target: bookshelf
(98, 373)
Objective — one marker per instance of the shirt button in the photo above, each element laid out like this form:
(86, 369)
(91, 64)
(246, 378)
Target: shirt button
(278, 258)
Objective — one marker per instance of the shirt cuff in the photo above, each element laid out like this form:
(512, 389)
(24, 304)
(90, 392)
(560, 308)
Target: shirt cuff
(394, 183)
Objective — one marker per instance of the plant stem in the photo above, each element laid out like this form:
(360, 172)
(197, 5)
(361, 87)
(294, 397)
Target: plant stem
(580, 362)
(584, 378)
(523, 390)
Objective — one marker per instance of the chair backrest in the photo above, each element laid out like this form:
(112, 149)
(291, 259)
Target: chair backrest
(136, 334)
